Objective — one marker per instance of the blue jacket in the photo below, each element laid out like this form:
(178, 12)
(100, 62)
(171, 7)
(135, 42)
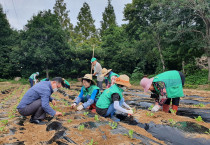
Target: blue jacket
(43, 91)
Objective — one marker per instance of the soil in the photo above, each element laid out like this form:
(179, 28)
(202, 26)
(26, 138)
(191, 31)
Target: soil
(18, 130)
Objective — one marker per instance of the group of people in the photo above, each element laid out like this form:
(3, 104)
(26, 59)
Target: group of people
(163, 87)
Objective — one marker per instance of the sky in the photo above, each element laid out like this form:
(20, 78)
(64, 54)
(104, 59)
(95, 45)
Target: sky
(20, 11)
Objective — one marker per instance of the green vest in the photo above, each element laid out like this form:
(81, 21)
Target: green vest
(173, 83)
(90, 90)
(32, 76)
(105, 99)
(112, 74)
(44, 79)
(66, 82)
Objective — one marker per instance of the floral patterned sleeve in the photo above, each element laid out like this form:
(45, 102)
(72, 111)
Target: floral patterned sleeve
(161, 88)
(161, 91)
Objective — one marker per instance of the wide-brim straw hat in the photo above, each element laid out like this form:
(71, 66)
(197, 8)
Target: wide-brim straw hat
(105, 72)
(146, 83)
(88, 77)
(123, 80)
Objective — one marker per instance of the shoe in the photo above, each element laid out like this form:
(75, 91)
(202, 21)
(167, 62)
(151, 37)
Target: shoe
(37, 121)
(166, 108)
(175, 107)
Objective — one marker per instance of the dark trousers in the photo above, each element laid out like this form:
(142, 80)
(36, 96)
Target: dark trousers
(31, 82)
(175, 101)
(34, 109)
(99, 84)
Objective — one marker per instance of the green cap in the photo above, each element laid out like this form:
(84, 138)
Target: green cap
(93, 59)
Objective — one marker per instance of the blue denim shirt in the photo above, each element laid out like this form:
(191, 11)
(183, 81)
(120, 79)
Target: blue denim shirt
(43, 91)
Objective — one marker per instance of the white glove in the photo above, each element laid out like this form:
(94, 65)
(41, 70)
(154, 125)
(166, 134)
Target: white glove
(73, 105)
(130, 112)
(80, 107)
(155, 108)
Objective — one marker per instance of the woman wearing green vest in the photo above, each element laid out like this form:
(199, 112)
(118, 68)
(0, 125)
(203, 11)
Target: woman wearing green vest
(112, 99)
(110, 76)
(32, 78)
(66, 84)
(89, 94)
(166, 86)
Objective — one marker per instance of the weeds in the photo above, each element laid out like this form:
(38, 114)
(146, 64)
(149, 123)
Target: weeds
(199, 118)
(81, 127)
(2, 129)
(113, 125)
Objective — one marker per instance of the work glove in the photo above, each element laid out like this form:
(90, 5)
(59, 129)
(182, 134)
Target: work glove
(73, 105)
(80, 107)
(155, 108)
(130, 112)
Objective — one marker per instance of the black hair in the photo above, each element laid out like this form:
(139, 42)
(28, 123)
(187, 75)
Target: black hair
(89, 81)
(59, 80)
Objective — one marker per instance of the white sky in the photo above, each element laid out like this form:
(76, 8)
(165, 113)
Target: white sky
(20, 11)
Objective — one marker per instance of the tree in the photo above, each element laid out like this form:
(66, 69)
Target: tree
(5, 43)
(201, 9)
(85, 25)
(43, 43)
(62, 14)
(109, 18)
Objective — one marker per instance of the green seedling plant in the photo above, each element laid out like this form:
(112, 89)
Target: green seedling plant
(113, 125)
(130, 133)
(199, 118)
(63, 113)
(133, 109)
(2, 129)
(208, 132)
(150, 114)
(91, 142)
(86, 113)
(69, 120)
(81, 127)
(173, 111)
(5, 122)
(172, 122)
(96, 118)
(150, 108)
(200, 105)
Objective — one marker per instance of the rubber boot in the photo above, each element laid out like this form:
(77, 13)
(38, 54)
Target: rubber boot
(175, 107)
(166, 108)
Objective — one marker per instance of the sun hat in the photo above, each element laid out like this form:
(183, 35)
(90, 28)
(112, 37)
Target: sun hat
(37, 73)
(146, 83)
(123, 80)
(93, 59)
(105, 72)
(88, 77)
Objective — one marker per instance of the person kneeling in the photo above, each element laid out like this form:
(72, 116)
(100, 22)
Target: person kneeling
(112, 99)
(35, 102)
(89, 94)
